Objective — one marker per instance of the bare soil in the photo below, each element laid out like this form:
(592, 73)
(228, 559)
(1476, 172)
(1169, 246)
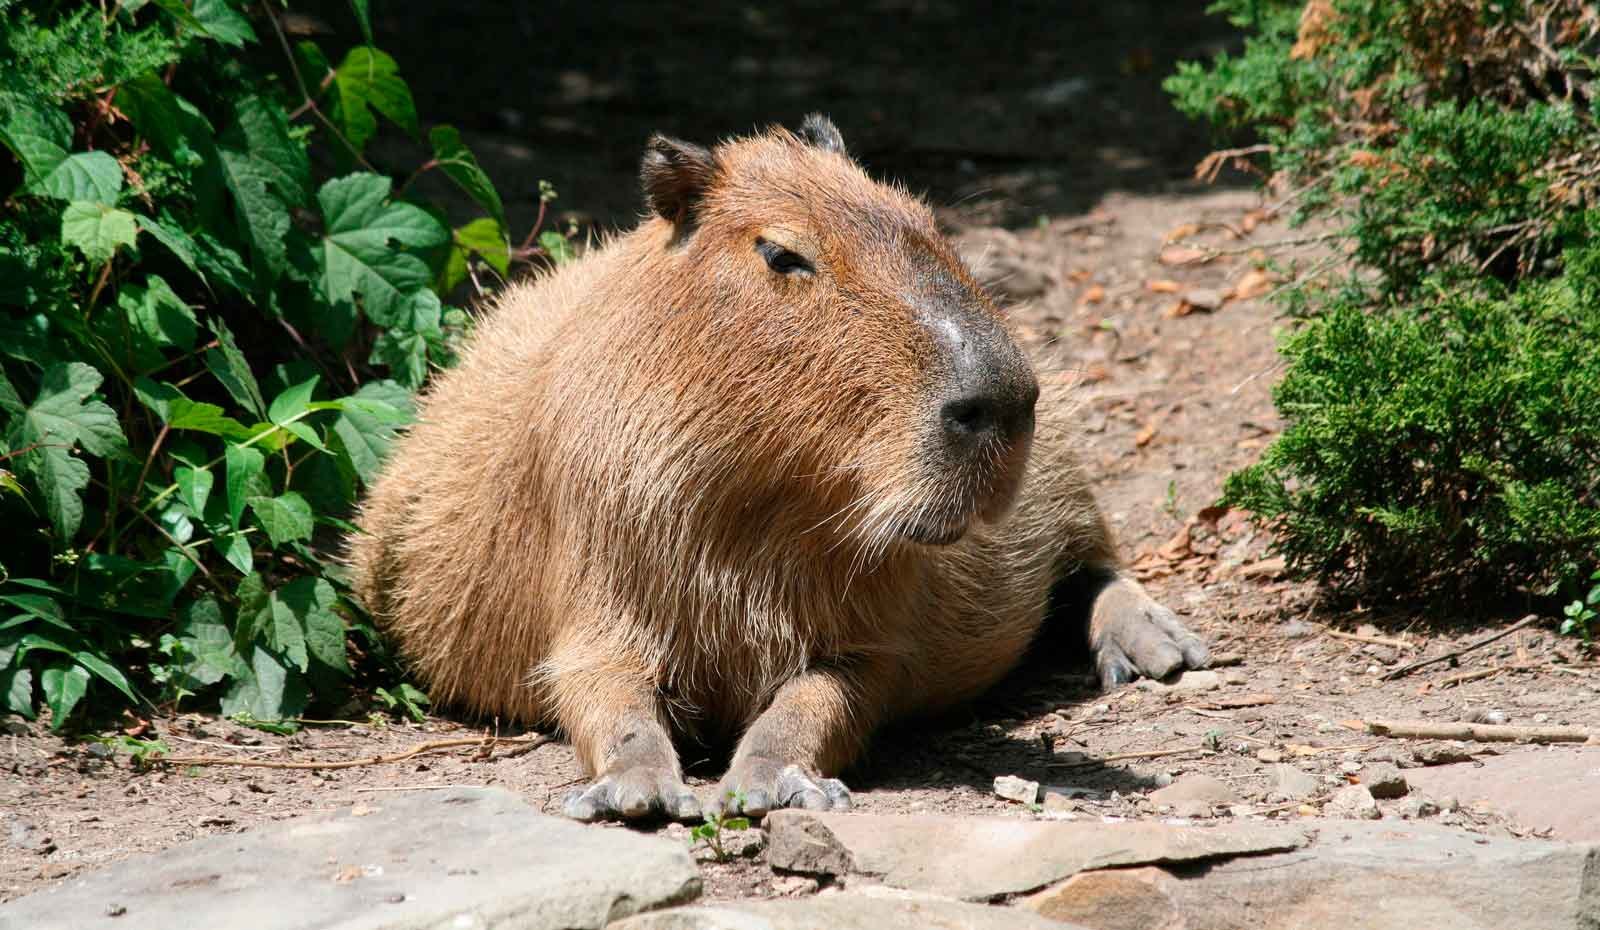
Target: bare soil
(1067, 208)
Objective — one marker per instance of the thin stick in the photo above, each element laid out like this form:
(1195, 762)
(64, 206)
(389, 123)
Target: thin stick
(1465, 677)
(1481, 732)
(1124, 757)
(1404, 670)
(486, 742)
(1375, 640)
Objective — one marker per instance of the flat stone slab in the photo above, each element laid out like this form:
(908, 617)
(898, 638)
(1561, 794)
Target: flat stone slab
(849, 911)
(1556, 789)
(980, 859)
(1356, 876)
(462, 859)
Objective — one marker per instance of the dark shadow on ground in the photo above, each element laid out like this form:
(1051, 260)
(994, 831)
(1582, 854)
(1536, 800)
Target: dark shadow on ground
(1030, 109)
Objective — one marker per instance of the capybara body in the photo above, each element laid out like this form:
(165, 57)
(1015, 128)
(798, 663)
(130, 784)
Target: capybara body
(766, 466)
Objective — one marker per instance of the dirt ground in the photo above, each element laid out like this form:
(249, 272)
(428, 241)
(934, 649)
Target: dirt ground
(1173, 346)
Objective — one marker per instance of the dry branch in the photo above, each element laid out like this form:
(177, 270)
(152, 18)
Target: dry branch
(1404, 670)
(1480, 732)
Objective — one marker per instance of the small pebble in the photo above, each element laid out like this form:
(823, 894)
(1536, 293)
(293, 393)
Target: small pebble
(1384, 780)
(1020, 790)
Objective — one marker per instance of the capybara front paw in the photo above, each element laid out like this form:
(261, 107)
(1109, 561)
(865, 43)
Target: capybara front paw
(756, 785)
(1136, 636)
(633, 794)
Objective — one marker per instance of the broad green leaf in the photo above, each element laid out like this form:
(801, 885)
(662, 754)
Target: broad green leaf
(179, 10)
(462, 166)
(359, 255)
(223, 23)
(252, 596)
(261, 131)
(65, 415)
(172, 125)
(481, 237)
(286, 517)
(293, 402)
(245, 478)
(367, 424)
(16, 689)
(204, 418)
(10, 400)
(236, 551)
(229, 365)
(41, 606)
(91, 177)
(106, 672)
(312, 601)
(269, 691)
(263, 217)
(285, 631)
(176, 241)
(209, 642)
(194, 487)
(38, 136)
(556, 246)
(159, 314)
(369, 80)
(97, 230)
(64, 685)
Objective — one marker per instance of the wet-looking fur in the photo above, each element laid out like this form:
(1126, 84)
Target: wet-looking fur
(764, 467)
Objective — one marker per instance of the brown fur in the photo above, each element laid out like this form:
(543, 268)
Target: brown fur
(666, 488)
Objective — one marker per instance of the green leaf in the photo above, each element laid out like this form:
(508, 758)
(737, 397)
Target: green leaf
(236, 551)
(263, 218)
(462, 166)
(194, 487)
(369, 80)
(367, 423)
(106, 672)
(261, 131)
(223, 23)
(293, 402)
(285, 630)
(359, 256)
(38, 136)
(311, 602)
(233, 370)
(179, 10)
(64, 685)
(286, 517)
(269, 691)
(64, 415)
(556, 246)
(91, 177)
(246, 478)
(40, 606)
(159, 314)
(176, 241)
(483, 238)
(16, 688)
(206, 638)
(97, 230)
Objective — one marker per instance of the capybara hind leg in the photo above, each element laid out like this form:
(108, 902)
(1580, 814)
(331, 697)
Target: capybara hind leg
(1132, 635)
(621, 736)
(815, 726)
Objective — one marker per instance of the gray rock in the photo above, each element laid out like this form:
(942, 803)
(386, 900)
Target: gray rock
(978, 859)
(850, 911)
(1293, 783)
(1017, 789)
(1353, 801)
(1388, 876)
(1191, 788)
(462, 859)
(1539, 788)
(1384, 780)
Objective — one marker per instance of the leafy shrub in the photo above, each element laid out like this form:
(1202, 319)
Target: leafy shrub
(216, 311)
(1442, 398)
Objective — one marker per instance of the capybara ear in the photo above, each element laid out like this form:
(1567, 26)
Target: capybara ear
(675, 175)
(820, 132)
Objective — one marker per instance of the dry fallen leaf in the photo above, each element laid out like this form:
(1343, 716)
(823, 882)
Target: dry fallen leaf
(1163, 286)
(1181, 255)
(1145, 435)
(1079, 275)
(1254, 283)
(1093, 295)
(1182, 232)
(347, 875)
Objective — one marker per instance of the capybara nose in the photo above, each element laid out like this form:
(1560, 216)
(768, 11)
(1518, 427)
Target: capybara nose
(1003, 412)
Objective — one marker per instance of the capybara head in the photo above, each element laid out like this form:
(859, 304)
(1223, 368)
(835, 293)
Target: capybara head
(839, 321)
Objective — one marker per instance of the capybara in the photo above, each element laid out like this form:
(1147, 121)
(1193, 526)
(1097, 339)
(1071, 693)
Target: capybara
(764, 467)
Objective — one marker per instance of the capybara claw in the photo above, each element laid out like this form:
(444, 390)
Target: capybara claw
(636, 794)
(752, 790)
(1134, 636)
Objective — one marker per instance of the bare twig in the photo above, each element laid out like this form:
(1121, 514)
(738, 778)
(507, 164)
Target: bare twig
(1465, 677)
(1481, 732)
(487, 743)
(1374, 640)
(1124, 757)
(418, 787)
(1404, 670)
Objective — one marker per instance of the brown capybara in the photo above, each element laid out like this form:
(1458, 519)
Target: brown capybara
(765, 466)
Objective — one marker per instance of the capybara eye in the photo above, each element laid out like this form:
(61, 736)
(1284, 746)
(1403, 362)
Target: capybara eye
(782, 260)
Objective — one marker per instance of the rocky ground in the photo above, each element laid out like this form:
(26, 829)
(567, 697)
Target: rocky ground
(1070, 195)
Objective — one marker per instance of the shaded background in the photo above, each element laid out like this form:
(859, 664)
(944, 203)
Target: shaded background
(1018, 110)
